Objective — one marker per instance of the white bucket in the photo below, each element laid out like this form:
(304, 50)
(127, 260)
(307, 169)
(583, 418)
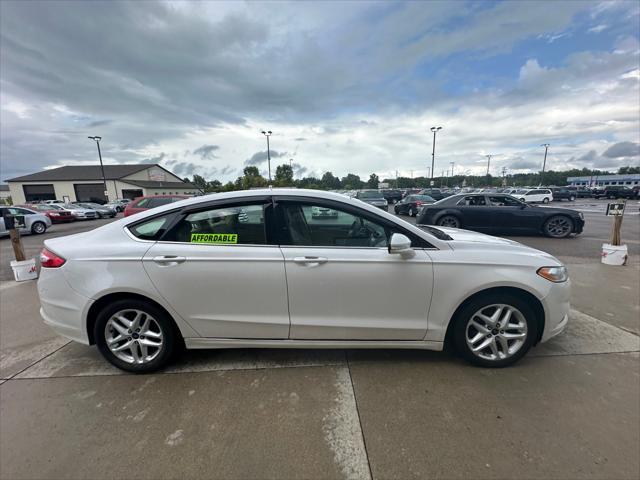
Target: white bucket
(25, 270)
(614, 254)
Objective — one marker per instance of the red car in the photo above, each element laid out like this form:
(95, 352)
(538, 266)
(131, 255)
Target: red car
(56, 213)
(141, 204)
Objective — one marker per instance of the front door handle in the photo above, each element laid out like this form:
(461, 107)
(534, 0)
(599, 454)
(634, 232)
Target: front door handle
(168, 260)
(310, 260)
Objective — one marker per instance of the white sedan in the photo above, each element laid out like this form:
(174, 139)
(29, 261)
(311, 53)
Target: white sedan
(251, 269)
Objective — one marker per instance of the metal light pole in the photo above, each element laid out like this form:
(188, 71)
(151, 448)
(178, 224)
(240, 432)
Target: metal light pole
(433, 152)
(452, 165)
(268, 134)
(544, 162)
(104, 179)
(488, 167)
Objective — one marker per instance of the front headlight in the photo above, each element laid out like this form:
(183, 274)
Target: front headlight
(554, 274)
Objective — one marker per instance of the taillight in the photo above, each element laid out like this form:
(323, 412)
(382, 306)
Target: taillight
(418, 203)
(50, 260)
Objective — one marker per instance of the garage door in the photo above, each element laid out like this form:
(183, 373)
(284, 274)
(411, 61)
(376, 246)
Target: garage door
(35, 193)
(90, 192)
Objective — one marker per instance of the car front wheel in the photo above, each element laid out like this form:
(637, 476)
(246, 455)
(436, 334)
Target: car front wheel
(135, 336)
(38, 228)
(558, 226)
(545, 200)
(449, 221)
(412, 212)
(495, 331)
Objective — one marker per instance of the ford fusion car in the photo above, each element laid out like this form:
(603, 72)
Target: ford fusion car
(254, 269)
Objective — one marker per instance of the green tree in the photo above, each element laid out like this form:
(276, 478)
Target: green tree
(352, 182)
(251, 179)
(628, 170)
(284, 175)
(373, 181)
(330, 182)
(200, 182)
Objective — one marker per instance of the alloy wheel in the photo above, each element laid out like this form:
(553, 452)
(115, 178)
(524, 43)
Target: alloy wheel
(496, 332)
(411, 213)
(39, 228)
(559, 227)
(449, 221)
(133, 336)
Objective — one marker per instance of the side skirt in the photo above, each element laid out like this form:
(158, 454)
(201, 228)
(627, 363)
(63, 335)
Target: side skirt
(197, 343)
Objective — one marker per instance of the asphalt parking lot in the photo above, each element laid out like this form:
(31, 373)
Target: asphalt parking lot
(570, 409)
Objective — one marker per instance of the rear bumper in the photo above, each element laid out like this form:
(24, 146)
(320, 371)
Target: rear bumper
(61, 307)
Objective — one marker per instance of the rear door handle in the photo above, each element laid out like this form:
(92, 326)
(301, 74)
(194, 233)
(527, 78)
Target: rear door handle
(168, 260)
(310, 260)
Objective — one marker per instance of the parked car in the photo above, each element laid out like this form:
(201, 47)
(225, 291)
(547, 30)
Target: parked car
(34, 222)
(193, 265)
(581, 192)
(616, 191)
(52, 202)
(323, 212)
(56, 213)
(503, 213)
(412, 204)
(434, 193)
(411, 191)
(81, 213)
(104, 211)
(141, 204)
(372, 197)
(562, 193)
(535, 195)
(392, 195)
(117, 205)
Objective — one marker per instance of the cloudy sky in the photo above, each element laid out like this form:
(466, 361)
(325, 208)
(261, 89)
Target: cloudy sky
(344, 86)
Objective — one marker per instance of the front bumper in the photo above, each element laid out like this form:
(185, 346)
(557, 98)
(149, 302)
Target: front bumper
(556, 308)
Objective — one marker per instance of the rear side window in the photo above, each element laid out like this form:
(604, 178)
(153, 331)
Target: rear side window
(150, 229)
(230, 225)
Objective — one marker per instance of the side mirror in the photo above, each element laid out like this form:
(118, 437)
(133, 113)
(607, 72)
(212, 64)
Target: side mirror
(399, 243)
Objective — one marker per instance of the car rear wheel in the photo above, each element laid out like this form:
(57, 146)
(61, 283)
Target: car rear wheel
(135, 336)
(495, 331)
(412, 212)
(449, 221)
(558, 226)
(545, 200)
(38, 228)
(572, 198)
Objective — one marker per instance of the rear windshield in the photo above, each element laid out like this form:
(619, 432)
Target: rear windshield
(370, 195)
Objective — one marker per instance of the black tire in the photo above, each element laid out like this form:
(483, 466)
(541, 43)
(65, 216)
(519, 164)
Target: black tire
(558, 226)
(572, 198)
(545, 200)
(470, 308)
(395, 209)
(412, 213)
(38, 228)
(170, 334)
(449, 221)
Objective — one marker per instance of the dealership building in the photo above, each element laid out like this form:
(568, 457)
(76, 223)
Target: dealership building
(630, 180)
(84, 183)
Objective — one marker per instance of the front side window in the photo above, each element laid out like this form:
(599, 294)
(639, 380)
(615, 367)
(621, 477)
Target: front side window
(472, 201)
(222, 225)
(504, 201)
(157, 202)
(341, 229)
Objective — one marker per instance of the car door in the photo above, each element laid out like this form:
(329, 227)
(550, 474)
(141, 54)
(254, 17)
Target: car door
(511, 214)
(343, 283)
(217, 268)
(476, 214)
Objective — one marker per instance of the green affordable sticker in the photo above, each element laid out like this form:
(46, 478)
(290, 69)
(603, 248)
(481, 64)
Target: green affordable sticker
(214, 238)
